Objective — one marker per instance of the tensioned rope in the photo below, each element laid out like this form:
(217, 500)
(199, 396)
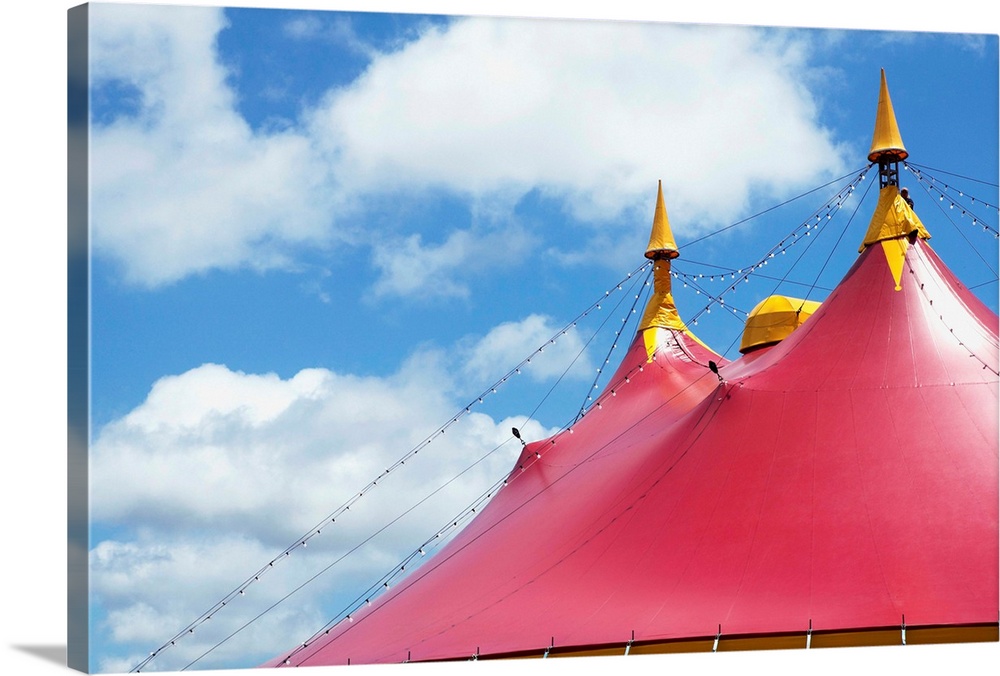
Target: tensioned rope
(723, 272)
(945, 191)
(316, 530)
(772, 208)
(931, 186)
(348, 617)
(966, 326)
(239, 590)
(961, 176)
(614, 343)
(820, 216)
(815, 222)
(698, 429)
(350, 551)
(468, 513)
(843, 231)
(347, 613)
(837, 205)
(383, 583)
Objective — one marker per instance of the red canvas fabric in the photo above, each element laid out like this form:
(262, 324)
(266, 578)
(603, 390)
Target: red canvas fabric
(842, 479)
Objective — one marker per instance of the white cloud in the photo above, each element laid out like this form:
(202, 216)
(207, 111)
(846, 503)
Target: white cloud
(590, 112)
(185, 186)
(218, 471)
(415, 270)
(334, 28)
(155, 587)
(304, 27)
(587, 113)
(510, 343)
(253, 443)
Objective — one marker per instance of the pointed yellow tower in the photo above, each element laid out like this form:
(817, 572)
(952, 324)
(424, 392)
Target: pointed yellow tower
(661, 313)
(887, 143)
(661, 239)
(894, 221)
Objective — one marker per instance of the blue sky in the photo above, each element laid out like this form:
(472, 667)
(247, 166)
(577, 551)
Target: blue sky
(316, 236)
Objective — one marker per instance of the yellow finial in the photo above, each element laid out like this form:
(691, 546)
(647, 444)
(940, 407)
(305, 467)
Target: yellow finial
(894, 222)
(886, 141)
(661, 313)
(661, 239)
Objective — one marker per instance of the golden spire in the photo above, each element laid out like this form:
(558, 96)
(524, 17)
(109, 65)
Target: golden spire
(661, 313)
(661, 239)
(894, 222)
(886, 142)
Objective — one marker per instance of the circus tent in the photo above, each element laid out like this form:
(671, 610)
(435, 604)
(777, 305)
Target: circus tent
(837, 484)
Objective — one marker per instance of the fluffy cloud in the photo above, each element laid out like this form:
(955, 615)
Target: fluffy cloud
(586, 113)
(509, 343)
(150, 587)
(183, 185)
(413, 269)
(211, 448)
(591, 112)
(217, 472)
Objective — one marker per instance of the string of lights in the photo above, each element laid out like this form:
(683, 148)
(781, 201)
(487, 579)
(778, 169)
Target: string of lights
(693, 279)
(950, 173)
(614, 344)
(627, 505)
(773, 208)
(840, 238)
(302, 541)
(388, 579)
(351, 551)
(947, 213)
(331, 518)
(814, 222)
(950, 195)
(700, 290)
(611, 391)
(964, 343)
(729, 273)
(347, 615)
(721, 273)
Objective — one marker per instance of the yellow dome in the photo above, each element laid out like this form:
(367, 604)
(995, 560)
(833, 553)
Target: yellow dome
(774, 319)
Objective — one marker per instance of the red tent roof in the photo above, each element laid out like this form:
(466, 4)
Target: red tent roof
(843, 480)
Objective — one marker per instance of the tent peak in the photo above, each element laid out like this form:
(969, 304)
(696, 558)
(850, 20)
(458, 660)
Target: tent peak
(887, 143)
(661, 312)
(894, 223)
(661, 239)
